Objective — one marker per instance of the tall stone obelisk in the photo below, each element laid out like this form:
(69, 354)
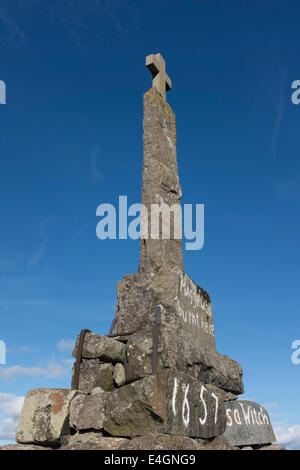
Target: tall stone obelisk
(161, 191)
(186, 328)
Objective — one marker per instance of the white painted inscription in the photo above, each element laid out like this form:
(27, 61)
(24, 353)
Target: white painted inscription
(186, 405)
(246, 416)
(189, 289)
(186, 408)
(174, 396)
(217, 406)
(191, 298)
(203, 420)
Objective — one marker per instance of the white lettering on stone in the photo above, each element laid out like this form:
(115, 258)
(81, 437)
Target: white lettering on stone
(229, 419)
(190, 290)
(192, 318)
(185, 412)
(237, 417)
(264, 416)
(203, 420)
(186, 407)
(217, 406)
(246, 415)
(174, 396)
(249, 413)
(255, 415)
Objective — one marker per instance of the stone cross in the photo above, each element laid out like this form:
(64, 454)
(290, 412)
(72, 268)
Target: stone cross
(157, 66)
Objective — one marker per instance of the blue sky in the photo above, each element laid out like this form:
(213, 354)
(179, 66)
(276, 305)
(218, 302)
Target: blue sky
(71, 139)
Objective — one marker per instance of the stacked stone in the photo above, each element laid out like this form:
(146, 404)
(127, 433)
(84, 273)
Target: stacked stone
(168, 410)
(159, 383)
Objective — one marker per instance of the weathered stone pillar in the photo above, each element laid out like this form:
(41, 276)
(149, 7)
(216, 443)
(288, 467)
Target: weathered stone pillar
(161, 191)
(186, 330)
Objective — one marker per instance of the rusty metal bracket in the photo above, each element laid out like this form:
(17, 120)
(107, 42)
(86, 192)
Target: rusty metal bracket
(112, 327)
(125, 333)
(155, 340)
(75, 380)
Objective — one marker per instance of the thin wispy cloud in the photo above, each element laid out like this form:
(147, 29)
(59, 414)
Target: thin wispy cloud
(80, 231)
(270, 406)
(16, 262)
(10, 407)
(52, 370)
(16, 304)
(289, 186)
(73, 17)
(66, 345)
(38, 254)
(23, 349)
(12, 263)
(15, 32)
(46, 227)
(288, 435)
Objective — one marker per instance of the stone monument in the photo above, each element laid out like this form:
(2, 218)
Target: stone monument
(156, 381)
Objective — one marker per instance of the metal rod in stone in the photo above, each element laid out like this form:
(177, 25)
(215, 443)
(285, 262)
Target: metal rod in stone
(75, 380)
(125, 333)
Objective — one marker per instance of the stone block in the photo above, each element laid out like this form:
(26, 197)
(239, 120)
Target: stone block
(119, 374)
(94, 373)
(93, 441)
(161, 442)
(23, 447)
(248, 423)
(88, 411)
(45, 416)
(273, 447)
(219, 443)
(101, 347)
(168, 402)
(186, 332)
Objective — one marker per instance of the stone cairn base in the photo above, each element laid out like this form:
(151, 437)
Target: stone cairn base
(168, 410)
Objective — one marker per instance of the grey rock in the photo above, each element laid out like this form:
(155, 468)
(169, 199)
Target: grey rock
(248, 423)
(23, 447)
(219, 443)
(184, 352)
(101, 347)
(119, 374)
(201, 442)
(161, 442)
(88, 411)
(45, 416)
(186, 333)
(168, 402)
(105, 377)
(94, 373)
(160, 178)
(230, 396)
(273, 447)
(247, 448)
(139, 355)
(93, 441)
